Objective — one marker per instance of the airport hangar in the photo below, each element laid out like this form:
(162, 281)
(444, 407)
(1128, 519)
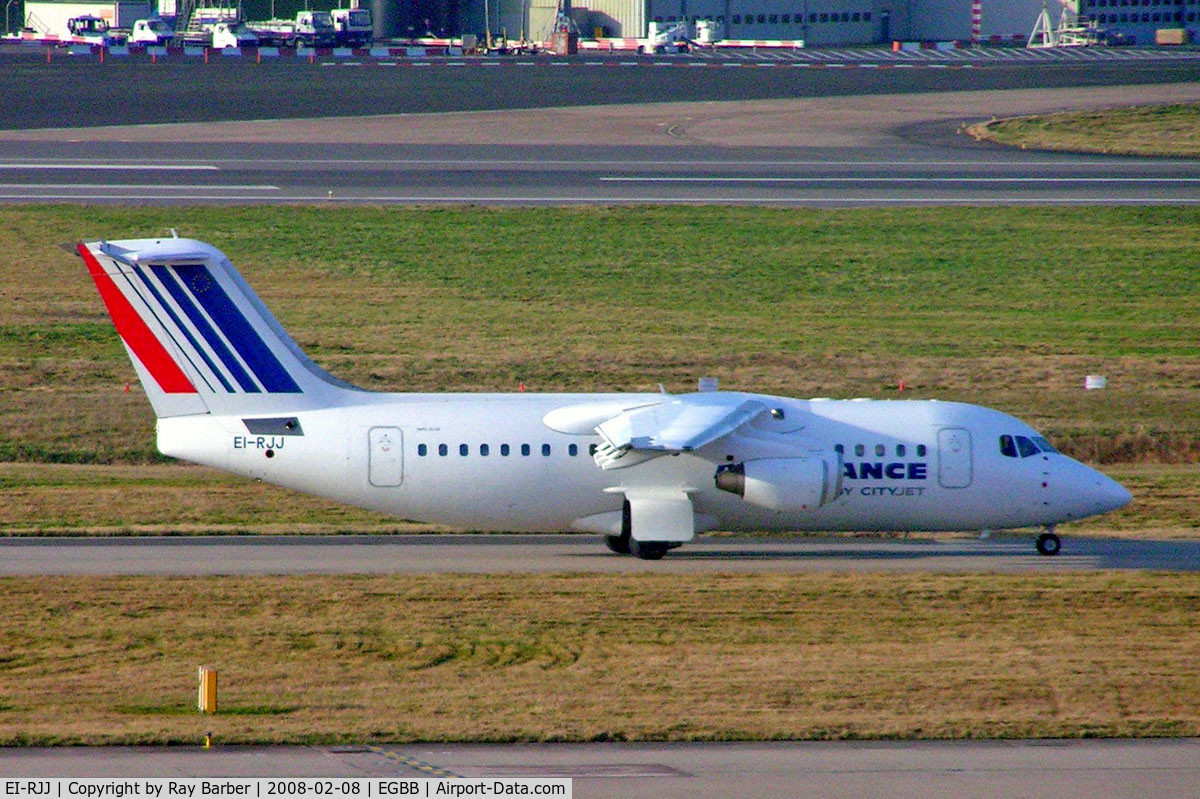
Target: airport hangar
(815, 22)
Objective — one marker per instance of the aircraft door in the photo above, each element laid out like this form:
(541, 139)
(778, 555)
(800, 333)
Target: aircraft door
(955, 469)
(386, 465)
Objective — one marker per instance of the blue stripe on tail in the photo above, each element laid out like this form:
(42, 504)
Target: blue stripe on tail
(141, 273)
(165, 276)
(237, 330)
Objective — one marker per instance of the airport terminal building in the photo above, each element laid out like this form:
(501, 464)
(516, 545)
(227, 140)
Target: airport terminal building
(1141, 18)
(815, 22)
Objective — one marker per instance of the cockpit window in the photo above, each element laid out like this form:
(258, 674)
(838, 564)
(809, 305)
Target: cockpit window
(1026, 447)
(1007, 447)
(1043, 444)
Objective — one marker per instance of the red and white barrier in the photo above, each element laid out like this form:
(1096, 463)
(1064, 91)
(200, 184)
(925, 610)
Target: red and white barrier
(789, 44)
(609, 44)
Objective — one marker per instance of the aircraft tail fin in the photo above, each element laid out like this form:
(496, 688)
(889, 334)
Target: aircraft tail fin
(200, 339)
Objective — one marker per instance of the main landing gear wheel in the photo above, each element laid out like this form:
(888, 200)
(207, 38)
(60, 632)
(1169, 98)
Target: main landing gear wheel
(618, 543)
(649, 550)
(1048, 544)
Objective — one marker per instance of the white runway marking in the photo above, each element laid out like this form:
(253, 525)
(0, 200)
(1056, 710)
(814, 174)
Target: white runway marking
(140, 186)
(124, 167)
(914, 179)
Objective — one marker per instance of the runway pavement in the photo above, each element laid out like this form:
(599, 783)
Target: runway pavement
(831, 177)
(843, 150)
(1095, 769)
(501, 554)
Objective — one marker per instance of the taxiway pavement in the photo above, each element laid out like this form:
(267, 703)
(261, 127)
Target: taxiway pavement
(1095, 769)
(844, 150)
(504, 554)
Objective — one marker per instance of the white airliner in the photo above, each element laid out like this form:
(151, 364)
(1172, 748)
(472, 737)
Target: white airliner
(233, 391)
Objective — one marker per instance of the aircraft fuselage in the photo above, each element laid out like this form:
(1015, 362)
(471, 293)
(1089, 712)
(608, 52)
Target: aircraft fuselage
(490, 462)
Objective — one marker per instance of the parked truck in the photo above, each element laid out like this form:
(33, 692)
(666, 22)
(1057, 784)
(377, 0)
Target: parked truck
(93, 30)
(232, 34)
(352, 27)
(308, 29)
(314, 28)
(152, 32)
(220, 35)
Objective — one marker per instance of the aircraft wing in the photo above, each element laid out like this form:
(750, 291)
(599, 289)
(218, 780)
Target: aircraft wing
(681, 425)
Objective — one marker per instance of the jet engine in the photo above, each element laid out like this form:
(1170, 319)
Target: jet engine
(783, 484)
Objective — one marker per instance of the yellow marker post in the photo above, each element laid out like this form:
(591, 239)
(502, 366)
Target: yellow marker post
(208, 690)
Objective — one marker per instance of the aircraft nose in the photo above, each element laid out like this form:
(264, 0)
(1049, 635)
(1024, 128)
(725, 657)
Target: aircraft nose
(1113, 494)
(1103, 493)
(1082, 491)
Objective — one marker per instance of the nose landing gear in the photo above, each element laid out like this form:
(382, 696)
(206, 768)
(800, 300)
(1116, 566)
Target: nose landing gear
(1048, 543)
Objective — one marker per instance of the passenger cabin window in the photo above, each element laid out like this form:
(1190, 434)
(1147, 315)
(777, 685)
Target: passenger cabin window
(442, 450)
(525, 450)
(422, 449)
(483, 449)
(880, 450)
(546, 449)
(573, 450)
(921, 450)
(838, 448)
(900, 450)
(859, 450)
(504, 450)
(463, 449)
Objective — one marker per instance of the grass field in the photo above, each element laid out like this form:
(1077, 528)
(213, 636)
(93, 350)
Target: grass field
(322, 659)
(1144, 130)
(982, 307)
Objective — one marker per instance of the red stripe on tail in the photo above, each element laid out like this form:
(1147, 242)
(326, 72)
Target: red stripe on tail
(136, 334)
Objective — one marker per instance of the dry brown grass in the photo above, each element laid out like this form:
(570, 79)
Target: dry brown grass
(574, 657)
(1172, 130)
